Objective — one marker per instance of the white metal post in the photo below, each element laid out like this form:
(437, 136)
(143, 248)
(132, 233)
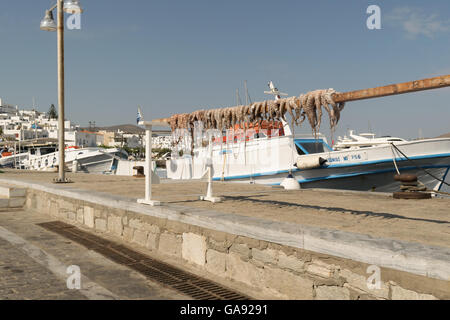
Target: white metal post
(148, 164)
(209, 167)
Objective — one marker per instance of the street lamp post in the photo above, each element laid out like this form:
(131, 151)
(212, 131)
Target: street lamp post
(48, 24)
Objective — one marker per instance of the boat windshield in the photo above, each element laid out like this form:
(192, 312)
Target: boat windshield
(311, 146)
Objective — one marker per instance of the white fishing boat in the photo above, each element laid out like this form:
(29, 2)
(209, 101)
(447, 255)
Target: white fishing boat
(268, 160)
(86, 160)
(267, 156)
(11, 160)
(363, 140)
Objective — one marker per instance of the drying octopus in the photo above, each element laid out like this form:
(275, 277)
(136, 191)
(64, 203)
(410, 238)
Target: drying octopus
(306, 106)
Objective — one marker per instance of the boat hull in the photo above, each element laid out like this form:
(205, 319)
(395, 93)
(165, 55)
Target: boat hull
(88, 160)
(378, 178)
(364, 169)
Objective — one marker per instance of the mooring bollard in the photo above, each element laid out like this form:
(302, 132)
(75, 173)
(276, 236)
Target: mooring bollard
(138, 172)
(410, 187)
(75, 166)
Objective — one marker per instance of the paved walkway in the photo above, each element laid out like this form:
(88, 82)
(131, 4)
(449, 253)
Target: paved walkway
(34, 262)
(422, 221)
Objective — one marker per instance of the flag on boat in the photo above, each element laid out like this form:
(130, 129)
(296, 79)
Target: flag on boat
(139, 115)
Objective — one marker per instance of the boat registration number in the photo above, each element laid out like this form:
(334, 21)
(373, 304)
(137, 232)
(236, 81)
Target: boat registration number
(351, 157)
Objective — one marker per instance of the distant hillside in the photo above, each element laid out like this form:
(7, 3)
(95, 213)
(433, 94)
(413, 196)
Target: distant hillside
(127, 128)
(447, 135)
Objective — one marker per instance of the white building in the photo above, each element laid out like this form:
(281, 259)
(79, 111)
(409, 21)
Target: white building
(80, 139)
(31, 124)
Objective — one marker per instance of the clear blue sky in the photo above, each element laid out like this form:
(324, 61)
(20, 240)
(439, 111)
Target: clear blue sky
(178, 56)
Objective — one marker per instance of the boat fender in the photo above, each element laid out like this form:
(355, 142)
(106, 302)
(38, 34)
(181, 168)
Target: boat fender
(310, 163)
(290, 183)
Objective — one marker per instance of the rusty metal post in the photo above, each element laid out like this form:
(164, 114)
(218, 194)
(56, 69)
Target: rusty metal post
(394, 89)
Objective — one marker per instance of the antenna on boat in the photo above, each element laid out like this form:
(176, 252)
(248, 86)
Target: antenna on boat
(370, 127)
(238, 98)
(274, 91)
(248, 100)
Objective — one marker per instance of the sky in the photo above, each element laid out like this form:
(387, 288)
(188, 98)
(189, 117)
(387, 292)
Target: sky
(180, 56)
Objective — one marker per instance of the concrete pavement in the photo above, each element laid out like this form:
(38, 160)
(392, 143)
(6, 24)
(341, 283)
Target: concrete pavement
(34, 262)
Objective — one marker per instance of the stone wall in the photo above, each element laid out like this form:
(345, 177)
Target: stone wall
(279, 271)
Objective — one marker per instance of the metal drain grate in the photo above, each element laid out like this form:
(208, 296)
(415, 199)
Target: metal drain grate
(175, 278)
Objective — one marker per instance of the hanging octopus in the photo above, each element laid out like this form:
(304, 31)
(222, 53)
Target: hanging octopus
(306, 106)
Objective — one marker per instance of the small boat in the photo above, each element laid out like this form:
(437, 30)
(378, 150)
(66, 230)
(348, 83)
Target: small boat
(86, 160)
(363, 140)
(10, 160)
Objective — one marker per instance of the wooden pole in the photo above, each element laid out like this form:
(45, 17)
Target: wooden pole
(394, 89)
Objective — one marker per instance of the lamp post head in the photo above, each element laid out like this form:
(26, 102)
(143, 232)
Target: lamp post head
(72, 6)
(48, 23)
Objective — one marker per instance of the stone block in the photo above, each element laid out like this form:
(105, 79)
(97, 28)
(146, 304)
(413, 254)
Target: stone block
(65, 205)
(332, 293)
(252, 243)
(99, 213)
(54, 209)
(37, 203)
(4, 203)
(72, 216)
(170, 244)
(100, 225)
(243, 271)
(241, 249)
(10, 192)
(140, 237)
(357, 281)
(288, 284)
(150, 228)
(320, 268)
(115, 225)
(127, 234)
(221, 245)
(265, 256)
(135, 223)
(80, 215)
(194, 248)
(290, 262)
(398, 293)
(16, 202)
(89, 217)
(62, 214)
(216, 262)
(152, 241)
(176, 227)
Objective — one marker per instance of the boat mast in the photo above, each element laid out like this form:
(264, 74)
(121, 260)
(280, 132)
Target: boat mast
(238, 98)
(246, 93)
